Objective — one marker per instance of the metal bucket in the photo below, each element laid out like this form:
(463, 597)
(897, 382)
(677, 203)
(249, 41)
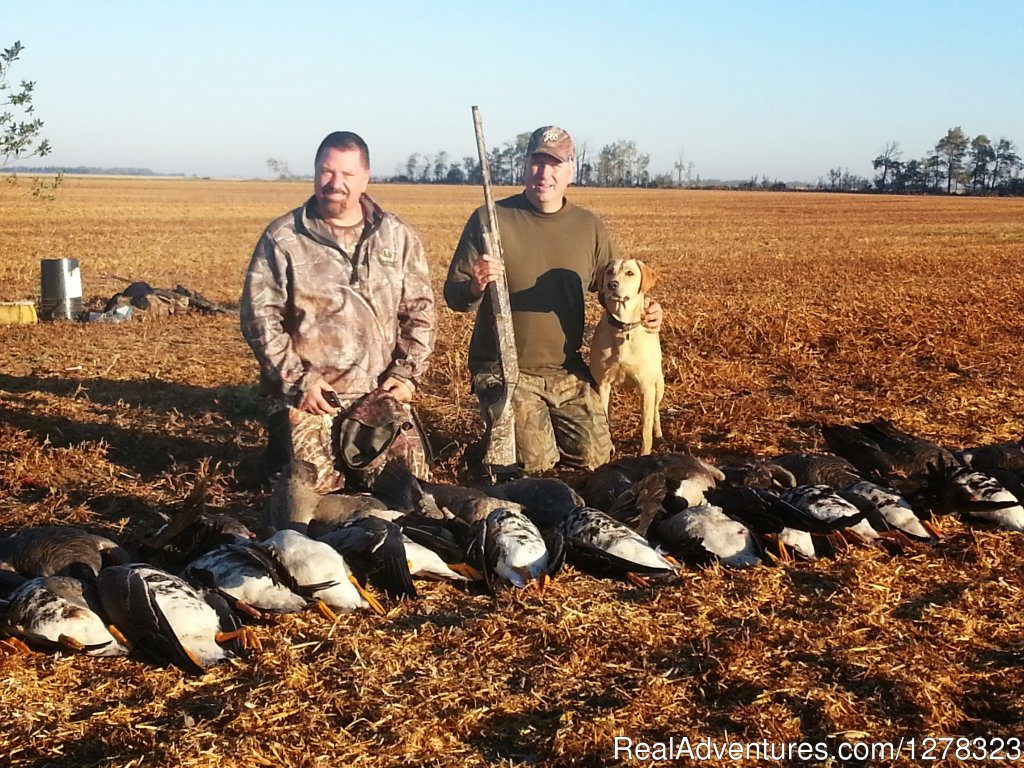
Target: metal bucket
(60, 289)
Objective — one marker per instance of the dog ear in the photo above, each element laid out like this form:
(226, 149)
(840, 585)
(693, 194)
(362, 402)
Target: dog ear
(647, 277)
(597, 278)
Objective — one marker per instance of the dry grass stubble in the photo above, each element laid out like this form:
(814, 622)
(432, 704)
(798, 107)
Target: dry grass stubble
(782, 310)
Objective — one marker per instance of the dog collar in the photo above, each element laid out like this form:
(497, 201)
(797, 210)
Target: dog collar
(614, 322)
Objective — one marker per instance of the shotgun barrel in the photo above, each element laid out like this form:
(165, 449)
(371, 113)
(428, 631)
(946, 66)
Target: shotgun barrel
(500, 456)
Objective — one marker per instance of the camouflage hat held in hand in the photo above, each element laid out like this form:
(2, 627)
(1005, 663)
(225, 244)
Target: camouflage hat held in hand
(365, 433)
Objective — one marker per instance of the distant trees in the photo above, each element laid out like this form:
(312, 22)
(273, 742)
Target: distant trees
(888, 163)
(619, 164)
(980, 158)
(280, 169)
(841, 180)
(682, 167)
(956, 164)
(951, 150)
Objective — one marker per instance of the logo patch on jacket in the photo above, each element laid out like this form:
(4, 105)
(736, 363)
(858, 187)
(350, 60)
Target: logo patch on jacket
(386, 256)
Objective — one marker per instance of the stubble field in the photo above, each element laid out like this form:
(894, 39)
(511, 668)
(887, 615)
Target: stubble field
(782, 311)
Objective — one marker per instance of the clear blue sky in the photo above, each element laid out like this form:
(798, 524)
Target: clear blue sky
(785, 89)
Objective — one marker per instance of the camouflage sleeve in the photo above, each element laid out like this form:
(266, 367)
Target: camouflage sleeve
(417, 319)
(262, 311)
(460, 274)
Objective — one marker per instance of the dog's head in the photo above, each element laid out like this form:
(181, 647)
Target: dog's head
(622, 279)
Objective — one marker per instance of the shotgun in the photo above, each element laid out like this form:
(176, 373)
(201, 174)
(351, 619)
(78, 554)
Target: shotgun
(500, 457)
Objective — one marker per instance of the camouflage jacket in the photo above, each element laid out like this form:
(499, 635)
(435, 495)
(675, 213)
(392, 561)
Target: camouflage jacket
(310, 309)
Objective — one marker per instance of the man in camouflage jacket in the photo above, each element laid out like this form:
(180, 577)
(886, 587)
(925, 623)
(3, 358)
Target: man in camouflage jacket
(337, 300)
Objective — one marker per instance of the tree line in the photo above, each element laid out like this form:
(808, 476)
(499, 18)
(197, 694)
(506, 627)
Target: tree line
(619, 164)
(957, 164)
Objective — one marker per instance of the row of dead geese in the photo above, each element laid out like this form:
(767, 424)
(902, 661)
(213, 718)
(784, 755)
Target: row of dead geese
(188, 595)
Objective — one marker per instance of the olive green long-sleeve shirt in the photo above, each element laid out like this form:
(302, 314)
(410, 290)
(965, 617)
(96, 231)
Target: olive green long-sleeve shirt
(550, 259)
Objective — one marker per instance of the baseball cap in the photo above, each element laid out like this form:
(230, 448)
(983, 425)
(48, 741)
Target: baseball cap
(554, 141)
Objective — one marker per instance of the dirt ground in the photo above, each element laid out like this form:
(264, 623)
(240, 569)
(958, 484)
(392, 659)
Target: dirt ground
(782, 311)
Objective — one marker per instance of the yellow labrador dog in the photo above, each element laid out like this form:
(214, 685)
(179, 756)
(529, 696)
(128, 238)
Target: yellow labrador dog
(621, 351)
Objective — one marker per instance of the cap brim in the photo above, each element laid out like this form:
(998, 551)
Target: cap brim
(549, 153)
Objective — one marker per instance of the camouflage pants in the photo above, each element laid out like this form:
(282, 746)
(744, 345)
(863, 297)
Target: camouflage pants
(310, 438)
(557, 418)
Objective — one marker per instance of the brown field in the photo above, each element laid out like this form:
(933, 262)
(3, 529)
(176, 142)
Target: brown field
(782, 310)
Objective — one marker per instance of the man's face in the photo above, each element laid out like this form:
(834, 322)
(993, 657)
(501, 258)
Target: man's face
(341, 178)
(546, 180)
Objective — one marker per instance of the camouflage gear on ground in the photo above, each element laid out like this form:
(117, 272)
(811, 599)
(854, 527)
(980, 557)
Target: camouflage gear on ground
(323, 442)
(558, 418)
(311, 309)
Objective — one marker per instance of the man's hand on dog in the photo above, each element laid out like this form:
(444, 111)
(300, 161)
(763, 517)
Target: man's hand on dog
(486, 270)
(653, 315)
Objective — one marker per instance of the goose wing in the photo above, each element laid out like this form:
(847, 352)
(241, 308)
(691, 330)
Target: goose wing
(131, 601)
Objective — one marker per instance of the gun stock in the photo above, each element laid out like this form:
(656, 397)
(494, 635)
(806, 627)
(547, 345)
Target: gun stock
(500, 456)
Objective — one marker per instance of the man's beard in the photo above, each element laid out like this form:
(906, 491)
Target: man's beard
(331, 208)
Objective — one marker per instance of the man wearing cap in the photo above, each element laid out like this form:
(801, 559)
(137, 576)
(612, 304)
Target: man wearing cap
(551, 249)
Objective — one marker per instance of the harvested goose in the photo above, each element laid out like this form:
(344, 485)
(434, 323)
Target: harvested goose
(819, 469)
(595, 541)
(706, 534)
(824, 503)
(251, 573)
(374, 550)
(994, 456)
(687, 477)
(401, 490)
(909, 455)
(53, 549)
(60, 612)
(974, 494)
(296, 504)
(759, 474)
(509, 550)
(315, 562)
(545, 500)
(893, 509)
(862, 451)
(166, 617)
